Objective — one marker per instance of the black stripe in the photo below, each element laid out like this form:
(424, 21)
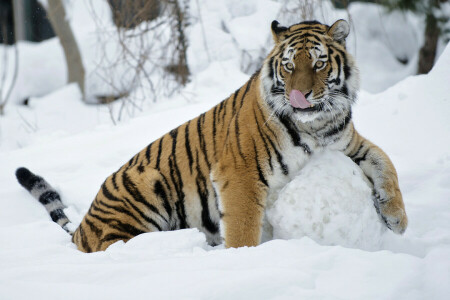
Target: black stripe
(345, 62)
(84, 241)
(249, 83)
(201, 139)
(188, 145)
(158, 158)
(347, 72)
(133, 190)
(137, 158)
(203, 193)
(271, 70)
(277, 81)
(294, 134)
(352, 156)
(166, 183)
(97, 231)
(336, 129)
(108, 194)
(114, 181)
(338, 62)
(114, 236)
(266, 124)
(344, 90)
(358, 160)
(234, 100)
(125, 227)
(161, 193)
(225, 109)
(214, 131)
(266, 147)
(57, 214)
(118, 209)
(221, 106)
(117, 224)
(142, 214)
(238, 137)
(177, 181)
(174, 134)
(49, 197)
(148, 152)
(96, 208)
(283, 166)
(130, 162)
(141, 168)
(300, 35)
(258, 167)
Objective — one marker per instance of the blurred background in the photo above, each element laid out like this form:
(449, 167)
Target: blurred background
(110, 61)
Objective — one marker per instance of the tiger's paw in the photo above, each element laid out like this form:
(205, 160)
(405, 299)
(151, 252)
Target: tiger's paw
(392, 212)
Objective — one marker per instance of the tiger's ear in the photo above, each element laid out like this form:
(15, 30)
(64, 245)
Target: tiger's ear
(277, 31)
(339, 31)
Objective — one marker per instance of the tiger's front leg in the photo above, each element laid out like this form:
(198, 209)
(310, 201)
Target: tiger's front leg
(241, 202)
(379, 169)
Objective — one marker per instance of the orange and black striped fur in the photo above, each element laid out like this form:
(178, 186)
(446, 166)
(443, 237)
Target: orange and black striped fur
(220, 170)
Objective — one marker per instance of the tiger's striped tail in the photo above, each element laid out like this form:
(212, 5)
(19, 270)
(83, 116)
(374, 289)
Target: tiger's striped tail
(48, 196)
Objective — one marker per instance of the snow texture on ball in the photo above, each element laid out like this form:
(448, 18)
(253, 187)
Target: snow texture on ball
(330, 202)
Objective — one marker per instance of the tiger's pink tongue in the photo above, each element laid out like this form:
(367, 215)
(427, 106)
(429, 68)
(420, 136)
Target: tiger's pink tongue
(298, 100)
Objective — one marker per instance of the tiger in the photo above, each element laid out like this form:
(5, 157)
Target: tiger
(220, 171)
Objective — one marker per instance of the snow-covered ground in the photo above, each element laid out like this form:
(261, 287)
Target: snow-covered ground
(328, 244)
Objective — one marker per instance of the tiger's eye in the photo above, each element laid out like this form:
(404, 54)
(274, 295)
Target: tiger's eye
(290, 66)
(319, 64)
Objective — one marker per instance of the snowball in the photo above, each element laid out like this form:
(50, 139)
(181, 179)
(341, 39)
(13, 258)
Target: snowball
(330, 202)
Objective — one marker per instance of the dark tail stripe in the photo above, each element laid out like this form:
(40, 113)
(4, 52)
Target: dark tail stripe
(49, 197)
(57, 215)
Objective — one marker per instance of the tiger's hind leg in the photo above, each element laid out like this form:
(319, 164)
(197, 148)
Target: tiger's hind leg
(130, 202)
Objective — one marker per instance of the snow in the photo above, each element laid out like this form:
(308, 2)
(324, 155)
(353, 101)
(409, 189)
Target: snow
(328, 217)
(329, 242)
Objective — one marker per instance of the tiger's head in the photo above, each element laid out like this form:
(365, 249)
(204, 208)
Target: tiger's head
(309, 74)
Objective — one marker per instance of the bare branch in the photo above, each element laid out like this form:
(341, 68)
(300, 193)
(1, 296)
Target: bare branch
(4, 99)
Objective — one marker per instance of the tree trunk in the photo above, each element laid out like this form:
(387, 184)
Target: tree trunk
(57, 15)
(180, 67)
(427, 53)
